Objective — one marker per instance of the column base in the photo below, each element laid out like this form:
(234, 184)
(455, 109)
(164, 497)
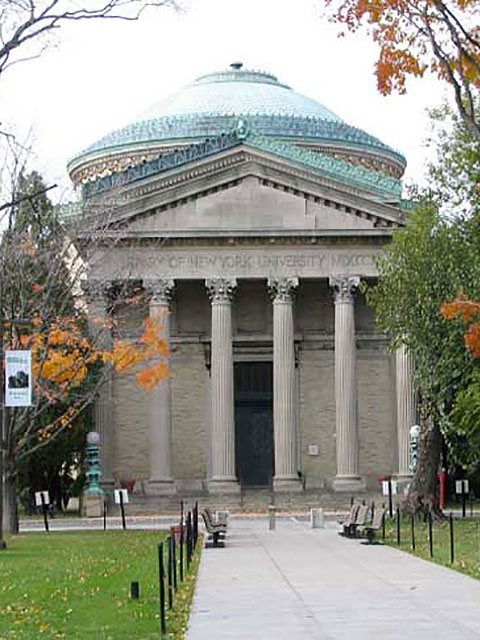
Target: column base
(223, 485)
(161, 488)
(287, 485)
(348, 484)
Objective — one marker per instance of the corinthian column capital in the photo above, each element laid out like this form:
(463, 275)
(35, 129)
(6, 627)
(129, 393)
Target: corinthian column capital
(95, 291)
(344, 287)
(220, 289)
(282, 289)
(159, 289)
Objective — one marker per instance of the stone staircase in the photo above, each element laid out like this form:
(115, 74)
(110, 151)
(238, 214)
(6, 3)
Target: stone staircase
(249, 500)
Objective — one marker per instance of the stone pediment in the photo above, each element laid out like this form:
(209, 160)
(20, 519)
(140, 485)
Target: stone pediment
(251, 203)
(244, 188)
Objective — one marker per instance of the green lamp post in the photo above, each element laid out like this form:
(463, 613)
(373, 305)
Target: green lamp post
(93, 494)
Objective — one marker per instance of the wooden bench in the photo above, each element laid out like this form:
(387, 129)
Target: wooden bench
(216, 532)
(370, 529)
(347, 524)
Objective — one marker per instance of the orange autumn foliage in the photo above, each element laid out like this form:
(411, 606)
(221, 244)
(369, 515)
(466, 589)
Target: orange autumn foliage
(62, 356)
(441, 36)
(469, 312)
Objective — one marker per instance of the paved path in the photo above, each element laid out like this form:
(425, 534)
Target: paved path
(299, 583)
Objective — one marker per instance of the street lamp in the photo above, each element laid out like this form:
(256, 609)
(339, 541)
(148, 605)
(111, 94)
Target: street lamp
(414, 439)
(93, 494)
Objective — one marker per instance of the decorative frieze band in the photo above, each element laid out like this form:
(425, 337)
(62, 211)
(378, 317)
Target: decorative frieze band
(282, 289)
(344, 287)
(221, 289)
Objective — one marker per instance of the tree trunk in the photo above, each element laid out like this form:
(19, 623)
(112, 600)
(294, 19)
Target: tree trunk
(423, 494)
(10, 505)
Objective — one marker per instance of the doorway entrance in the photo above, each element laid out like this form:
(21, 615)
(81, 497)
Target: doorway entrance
(254, 453)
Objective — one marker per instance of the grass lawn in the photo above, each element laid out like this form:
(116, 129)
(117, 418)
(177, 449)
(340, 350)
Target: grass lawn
(466, 541)
(76, 585)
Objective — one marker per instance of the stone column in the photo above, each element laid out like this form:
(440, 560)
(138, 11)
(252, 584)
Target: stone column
(405, 410)
(223, 479)
(284, 413)
(347, 478)
(96, 293)
(160, 427)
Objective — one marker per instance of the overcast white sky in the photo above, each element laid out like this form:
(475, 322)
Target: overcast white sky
(102, 75)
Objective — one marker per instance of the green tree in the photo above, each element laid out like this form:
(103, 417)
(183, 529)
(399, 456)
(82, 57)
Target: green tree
(428, 262)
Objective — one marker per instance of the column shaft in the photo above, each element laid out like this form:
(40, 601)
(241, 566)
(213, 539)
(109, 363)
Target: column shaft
(405, 408)
(223, 426)
(347, 477)
(160, 427)
(101, 336)
(284, 406)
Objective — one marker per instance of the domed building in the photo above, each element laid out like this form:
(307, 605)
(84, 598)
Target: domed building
(246, 215)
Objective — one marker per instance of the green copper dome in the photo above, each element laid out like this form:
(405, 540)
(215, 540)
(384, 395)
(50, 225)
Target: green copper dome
(213, 104)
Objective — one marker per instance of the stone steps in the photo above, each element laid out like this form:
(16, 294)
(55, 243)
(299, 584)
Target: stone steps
(247, 501)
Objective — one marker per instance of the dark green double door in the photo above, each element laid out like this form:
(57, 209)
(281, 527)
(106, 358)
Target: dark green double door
(254, 454)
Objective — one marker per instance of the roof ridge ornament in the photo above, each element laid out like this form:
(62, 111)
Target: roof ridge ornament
(242, 129)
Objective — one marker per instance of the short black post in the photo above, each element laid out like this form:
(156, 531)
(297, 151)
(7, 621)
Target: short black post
(44, 510)
(471, 504)
(135, 590)
(189, 539)
(372, 509)
(161, 576)
(104, 514)
(452, 541)
(398, 526)
(412, 528)
(170, 574)
(390, 500)
(464, 500)
(174, 561)
(195, 524)
(352, 498)
(122, 509)
(430, 533)
(383, 526)
(182, 542)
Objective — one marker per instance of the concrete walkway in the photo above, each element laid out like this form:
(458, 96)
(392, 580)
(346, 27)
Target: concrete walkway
(299, 583)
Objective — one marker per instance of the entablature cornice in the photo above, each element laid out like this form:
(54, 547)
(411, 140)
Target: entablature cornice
(175, 188)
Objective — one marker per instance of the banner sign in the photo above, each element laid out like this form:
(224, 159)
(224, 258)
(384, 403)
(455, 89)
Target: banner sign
(18, 378)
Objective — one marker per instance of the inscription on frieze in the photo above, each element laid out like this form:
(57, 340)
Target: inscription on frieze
(202, 263)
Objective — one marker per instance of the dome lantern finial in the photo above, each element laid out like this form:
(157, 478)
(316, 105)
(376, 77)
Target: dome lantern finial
(236, 66)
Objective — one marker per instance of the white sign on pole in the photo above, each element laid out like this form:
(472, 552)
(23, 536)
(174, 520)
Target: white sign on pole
(18, 378)
(461, 486)
(38, 498)
(124, 493)
(393, 484)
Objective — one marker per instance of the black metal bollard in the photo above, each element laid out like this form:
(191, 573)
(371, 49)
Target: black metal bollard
(189, 539)
(181, 560)
(161, 577)
(398, 526)
(170, 573)
(174, 561)
(452, 541)
(104, 514)
(412, 528)
(464, 500)
(383, 526)
(430, 533)
(195, 524)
